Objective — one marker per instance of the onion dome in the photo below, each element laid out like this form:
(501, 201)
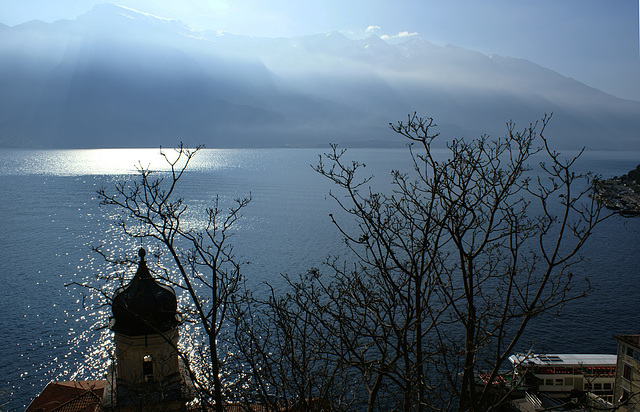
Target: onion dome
(144, 307)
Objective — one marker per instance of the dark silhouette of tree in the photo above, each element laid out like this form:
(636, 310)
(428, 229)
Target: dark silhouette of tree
(442, 275)
(202, 259)
(454, 261)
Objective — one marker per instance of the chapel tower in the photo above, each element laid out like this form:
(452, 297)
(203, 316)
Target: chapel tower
(145, 322)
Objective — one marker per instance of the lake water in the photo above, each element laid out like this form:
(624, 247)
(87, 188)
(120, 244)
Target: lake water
(49, 217)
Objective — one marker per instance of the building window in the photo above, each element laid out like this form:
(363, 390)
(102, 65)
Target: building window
(607, 386)
(626, 372)
(548, 382)
(597, 386)
(147, 368)
(559, 382)
(629, 351)
(624, 396)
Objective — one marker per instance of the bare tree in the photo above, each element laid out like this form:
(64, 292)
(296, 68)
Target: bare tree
(446, 271)
(459, 256)
(288, 356)
(201, 259)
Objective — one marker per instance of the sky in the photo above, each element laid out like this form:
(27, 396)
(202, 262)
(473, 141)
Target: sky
(593, 41)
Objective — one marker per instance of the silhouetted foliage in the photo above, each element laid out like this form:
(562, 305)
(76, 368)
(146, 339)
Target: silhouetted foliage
(443, 274)
(202, 262)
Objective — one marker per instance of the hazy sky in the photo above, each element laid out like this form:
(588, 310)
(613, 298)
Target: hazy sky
(593, 41)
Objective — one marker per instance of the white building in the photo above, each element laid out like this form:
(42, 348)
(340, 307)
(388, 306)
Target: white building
(594, 373)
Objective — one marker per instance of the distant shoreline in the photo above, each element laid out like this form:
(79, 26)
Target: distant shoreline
(621, 193)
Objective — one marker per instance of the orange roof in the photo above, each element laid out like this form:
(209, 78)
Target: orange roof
(70, 396)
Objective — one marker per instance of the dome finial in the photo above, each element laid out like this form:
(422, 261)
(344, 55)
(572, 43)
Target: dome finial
(142, 253)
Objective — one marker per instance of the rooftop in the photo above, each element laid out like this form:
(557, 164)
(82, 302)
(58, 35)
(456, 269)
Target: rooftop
(564, 359)
(629, 339)
(70, 396)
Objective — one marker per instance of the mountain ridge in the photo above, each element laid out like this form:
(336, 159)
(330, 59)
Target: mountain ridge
(117, 77)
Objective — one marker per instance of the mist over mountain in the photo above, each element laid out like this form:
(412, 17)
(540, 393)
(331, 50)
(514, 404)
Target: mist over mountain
(115, 77)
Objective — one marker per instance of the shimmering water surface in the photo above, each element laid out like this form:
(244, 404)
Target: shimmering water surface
(49, 217)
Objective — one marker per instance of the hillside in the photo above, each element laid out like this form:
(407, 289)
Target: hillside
(114, 77)
(621, 193)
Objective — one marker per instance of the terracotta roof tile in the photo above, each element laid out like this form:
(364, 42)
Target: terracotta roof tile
(71, 396)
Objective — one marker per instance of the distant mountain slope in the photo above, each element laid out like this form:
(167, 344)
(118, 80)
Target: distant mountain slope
(118, 77)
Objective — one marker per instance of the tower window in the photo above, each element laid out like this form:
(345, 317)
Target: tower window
(147, 368)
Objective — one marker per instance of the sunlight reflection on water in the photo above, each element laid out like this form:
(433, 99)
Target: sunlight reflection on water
(111, 161)
(50, 210)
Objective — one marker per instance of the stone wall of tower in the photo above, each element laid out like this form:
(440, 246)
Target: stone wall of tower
(135, 386)
(131, 351)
